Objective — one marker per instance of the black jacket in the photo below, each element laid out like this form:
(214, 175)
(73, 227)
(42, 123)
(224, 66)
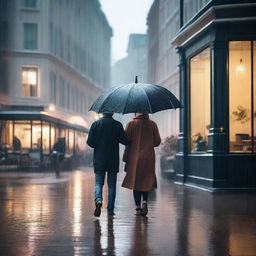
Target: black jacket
(104, 136)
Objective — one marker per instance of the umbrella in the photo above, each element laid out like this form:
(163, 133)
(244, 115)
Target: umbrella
(135, 98)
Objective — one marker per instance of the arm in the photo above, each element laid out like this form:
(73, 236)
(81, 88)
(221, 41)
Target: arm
(91, 140)
(128, 132)
(122, 136)
(157, 139)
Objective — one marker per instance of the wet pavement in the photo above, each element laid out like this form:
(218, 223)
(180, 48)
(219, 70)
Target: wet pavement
(42, 215)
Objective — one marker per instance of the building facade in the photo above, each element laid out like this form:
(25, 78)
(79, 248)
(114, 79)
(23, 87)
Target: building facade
(54, 62)
(216, 43)
(163, 24)
(135, 63)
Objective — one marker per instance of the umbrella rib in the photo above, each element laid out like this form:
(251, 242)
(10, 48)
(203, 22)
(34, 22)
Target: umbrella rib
(147, 99)
(111, 92)
(127, 98)
(163, 93)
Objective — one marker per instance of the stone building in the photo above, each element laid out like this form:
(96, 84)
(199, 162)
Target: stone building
(54, 62)
(135, 63)
(163, 24)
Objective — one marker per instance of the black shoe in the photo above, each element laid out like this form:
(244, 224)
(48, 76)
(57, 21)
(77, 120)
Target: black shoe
(144, 209)
(111, 213)
(97, 211)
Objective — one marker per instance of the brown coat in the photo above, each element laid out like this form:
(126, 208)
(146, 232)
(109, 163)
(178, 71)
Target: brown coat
(139, 155)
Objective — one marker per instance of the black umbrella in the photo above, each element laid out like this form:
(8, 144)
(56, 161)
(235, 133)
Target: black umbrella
(135, 98)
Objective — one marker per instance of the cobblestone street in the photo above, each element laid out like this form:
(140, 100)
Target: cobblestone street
(42, 215)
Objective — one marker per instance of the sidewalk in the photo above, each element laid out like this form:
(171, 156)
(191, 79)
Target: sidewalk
(45, 216)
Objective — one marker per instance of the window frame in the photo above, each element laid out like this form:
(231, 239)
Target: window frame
(25, 47)
(253, 89)
(201, 49)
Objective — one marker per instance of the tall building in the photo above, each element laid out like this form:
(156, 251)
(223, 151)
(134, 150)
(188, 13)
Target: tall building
(135, 63)
(163, 24)
(54, 62)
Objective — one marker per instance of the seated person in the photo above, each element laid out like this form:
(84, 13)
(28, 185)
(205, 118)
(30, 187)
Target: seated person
(16, 144)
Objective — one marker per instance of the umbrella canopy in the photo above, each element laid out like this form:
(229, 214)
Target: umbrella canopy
(135, 98)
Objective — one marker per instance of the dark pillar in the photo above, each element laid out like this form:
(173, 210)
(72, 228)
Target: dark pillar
(218, 137)
(219, 116)
(183, 134)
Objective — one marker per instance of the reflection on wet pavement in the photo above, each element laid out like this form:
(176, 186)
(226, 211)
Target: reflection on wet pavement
(42, 215)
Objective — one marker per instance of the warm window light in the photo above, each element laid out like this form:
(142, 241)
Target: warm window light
(240, 67)
(32, 77)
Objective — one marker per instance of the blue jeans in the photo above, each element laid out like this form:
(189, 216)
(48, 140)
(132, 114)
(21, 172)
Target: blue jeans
(99, 182)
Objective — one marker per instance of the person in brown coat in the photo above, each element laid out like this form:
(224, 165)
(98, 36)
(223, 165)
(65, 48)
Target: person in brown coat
(139, 156)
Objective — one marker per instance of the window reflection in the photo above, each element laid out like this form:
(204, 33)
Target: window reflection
(200, 100)
(240, 96)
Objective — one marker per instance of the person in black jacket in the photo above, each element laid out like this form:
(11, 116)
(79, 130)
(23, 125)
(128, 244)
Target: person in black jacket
(104, 136)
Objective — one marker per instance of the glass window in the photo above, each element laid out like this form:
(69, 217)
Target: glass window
(29, 82)
(46, 138)
(53, 135)
(200, 100)
(71, 142)
(36, 135)
(30, 36)
(6, 130)
(80, 142)
(240, 96)
(30, 3)
(22, 136)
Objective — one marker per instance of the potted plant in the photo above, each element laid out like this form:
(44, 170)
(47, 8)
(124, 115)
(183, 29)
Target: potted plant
(168, 152)
(199, 142)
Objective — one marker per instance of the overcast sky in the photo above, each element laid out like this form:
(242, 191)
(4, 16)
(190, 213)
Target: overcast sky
(125, 17)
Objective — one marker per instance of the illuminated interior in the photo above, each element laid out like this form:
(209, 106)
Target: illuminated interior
(22, 134)
(241, 96)
(25, 136)
(200, 100)
(29, 82)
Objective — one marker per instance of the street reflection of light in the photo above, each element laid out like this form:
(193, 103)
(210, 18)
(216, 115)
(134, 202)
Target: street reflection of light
(104, 234)
(77, 203)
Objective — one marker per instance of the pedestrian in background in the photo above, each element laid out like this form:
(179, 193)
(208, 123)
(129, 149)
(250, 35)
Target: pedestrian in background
(139, 156)
(104, 136)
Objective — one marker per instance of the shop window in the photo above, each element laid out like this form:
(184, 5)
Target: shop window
(36, 135)
(46, 138)
(242, 96)
(80, 142)
(200, 100)
(6, 132)
(71, 142)
(29, 82)
(22, 136)
(53, 135)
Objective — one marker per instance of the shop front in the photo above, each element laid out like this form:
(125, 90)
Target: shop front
(27, 138)
(217, 141)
